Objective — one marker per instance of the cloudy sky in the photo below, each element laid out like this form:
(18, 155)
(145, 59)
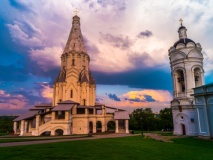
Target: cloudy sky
(127, 41)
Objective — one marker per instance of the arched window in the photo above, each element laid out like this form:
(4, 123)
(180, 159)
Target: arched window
(181, 81)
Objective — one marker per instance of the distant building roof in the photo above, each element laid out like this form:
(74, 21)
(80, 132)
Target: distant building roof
(40, 108)
(61, 76)
(26, 115)
(98, 104)
(63, 107)
(44, 105)
(68, 102)
(81, 106)
(182, 27)
(121, 115)
(115, 108)
(84, 78)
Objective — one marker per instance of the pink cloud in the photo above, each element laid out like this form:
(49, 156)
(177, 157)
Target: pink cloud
(47, 57)
(12, 102)
(47, 92)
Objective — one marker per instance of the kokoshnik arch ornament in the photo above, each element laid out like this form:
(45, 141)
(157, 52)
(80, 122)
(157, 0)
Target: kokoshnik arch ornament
(187, 72)
(73, 109)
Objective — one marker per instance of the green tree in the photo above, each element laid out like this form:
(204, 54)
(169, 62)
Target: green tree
(151, 121)
(143, 117)
(6, 124)
(166, 118)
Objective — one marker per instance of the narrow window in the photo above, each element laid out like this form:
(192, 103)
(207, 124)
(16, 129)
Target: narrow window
(197, 78)
(180, 108)
(73, 62)
(71, 94)
(84, 101)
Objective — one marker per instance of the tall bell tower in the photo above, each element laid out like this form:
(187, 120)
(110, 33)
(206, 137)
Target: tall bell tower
(75, 81)
(187, 72)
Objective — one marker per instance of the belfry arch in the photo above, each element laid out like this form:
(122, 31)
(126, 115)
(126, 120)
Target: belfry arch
(180, 81)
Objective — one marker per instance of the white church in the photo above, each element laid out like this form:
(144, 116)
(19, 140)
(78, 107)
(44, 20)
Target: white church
(186, 60)
(73, 109)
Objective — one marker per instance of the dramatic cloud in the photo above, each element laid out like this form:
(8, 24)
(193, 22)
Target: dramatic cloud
(91, 47)
(46, 58)
(20, 36)
(46, 91)
(122, 42)
(8, 101)
(148, 96)
(138, 98)
(145, 34)
(141, 60)
(98, 99)
(140, 78)
(114, 97)
(98, 4)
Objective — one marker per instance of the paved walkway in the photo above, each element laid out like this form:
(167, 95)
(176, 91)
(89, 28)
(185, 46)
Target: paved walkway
(159, 137)
(72, 138)
(64, 140)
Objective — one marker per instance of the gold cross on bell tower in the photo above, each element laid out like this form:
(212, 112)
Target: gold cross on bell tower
(181, 22)
(76, 11)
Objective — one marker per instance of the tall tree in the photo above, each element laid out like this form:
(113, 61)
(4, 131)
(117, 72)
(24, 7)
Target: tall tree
(166, 118)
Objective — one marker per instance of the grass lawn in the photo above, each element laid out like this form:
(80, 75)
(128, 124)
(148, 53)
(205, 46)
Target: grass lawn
(134, 148)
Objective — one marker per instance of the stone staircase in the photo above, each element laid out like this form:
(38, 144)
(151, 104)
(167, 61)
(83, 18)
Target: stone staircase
(122, 130)
(27, 134)
(44, 127)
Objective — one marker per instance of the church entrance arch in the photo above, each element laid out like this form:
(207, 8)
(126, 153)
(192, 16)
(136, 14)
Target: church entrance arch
(111, 126)
(59, 132)
(90, 127)
(98, 126)
(183, 129)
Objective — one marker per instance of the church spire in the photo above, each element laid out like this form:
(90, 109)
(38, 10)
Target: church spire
(75, 41)
(182, 30)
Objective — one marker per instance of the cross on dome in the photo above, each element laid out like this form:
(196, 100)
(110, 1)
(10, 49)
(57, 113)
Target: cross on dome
(181, 22)
(76, 11)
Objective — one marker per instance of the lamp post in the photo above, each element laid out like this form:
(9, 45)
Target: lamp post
(141, 118)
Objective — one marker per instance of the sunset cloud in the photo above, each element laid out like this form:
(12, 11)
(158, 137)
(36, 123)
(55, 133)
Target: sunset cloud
(155, 95)
(155, 99)
(8, 101)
